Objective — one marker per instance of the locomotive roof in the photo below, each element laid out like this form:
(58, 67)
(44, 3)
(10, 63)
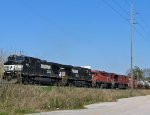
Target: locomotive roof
(97, 71)
(51, 63)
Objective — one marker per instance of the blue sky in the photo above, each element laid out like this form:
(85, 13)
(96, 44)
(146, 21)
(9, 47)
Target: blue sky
(77, 32)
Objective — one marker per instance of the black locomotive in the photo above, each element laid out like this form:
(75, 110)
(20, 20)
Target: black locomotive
(29, 70)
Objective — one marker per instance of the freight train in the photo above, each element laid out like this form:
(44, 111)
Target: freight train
(30, 70)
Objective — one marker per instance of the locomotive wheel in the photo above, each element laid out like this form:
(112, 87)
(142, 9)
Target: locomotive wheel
(97, 85)
(70, 84)
(9, 78)
(112, 86)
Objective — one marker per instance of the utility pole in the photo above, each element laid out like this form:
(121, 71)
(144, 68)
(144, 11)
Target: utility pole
(131, 44)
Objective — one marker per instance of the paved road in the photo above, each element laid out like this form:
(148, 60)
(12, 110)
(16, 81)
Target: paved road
(130, 106)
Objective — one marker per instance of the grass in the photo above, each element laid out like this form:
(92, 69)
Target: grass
(21, 99)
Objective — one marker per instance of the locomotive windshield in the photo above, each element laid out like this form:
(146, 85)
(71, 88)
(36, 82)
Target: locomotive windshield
(16, 58)
(19, 58)
(11, 58)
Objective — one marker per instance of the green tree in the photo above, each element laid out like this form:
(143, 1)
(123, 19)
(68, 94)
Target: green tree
(137, 73)
(147, 73)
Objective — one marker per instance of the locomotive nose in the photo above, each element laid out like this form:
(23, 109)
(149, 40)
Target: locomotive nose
(13, 67)
(8, 67)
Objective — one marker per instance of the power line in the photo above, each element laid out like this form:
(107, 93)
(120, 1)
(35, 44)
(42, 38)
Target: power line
(148, 34)
(115, 10)
(126, 1)
(129, 14)
(142, 27)
(123, 17)
(145, 38)
(121, 7)
(145, 23)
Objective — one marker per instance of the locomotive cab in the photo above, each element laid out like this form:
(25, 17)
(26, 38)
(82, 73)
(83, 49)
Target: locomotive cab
(62, 72)
(13, 67)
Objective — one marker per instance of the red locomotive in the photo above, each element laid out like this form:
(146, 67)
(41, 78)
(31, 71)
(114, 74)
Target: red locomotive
(102, 79)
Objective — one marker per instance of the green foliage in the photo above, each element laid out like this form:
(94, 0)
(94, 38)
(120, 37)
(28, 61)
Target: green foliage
(146, 72)
(137, 73)
(4, 113)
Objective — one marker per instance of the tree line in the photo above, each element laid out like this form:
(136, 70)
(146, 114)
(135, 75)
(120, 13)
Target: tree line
(140, 74)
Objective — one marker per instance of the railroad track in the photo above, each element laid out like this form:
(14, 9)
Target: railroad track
(7, 82)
